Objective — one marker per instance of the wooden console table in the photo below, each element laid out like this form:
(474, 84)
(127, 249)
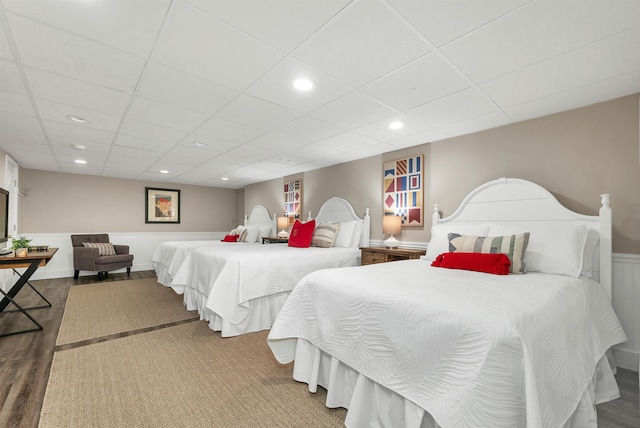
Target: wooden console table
(32, 261)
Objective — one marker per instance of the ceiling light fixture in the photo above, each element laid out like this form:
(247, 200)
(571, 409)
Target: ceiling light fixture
(304, 84)
(396, 125)
(200, 144)
(80, 161)
(164, 171)
(224, 179)
(78, 146)
(77, 119)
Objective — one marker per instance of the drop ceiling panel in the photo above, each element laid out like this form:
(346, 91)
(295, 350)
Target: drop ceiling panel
(152, 131)
(413, 85)
(91, 147)
(5, 49)
(177, 88)
(477, 123)
(11, 79)
(12, 102)
(417, 139)
(310, 129)
(277, 86)
(256, 113)
(13, 121)
(62, 89)
(58, 113)
(228, 56)
(277, 143)
(77, 132)
(353, 111)
(226, 130)
(163, 114)
(124, 28)
(69, 54)
(363, 42)
(600, 91)
(512, 42)
(444, 21)
(579, 69)
(281, 24)
(142, 143)
(453, 108)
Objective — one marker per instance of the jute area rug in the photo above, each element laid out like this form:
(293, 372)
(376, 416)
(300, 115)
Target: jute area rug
(180, 376)
(96, 310)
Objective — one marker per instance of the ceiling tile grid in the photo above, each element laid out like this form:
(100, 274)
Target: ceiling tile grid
(203, 88)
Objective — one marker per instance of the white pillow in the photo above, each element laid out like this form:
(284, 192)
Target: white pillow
(357, 233)
(266, 231)
(345, 235)
(440, 237)
(252, 234)
(552, 249)
(593, 237)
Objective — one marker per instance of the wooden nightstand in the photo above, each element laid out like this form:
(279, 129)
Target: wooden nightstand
(274, 240)
(371, 255)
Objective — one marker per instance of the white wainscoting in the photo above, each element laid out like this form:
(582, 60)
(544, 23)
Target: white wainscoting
(141, 245)
(625, 295)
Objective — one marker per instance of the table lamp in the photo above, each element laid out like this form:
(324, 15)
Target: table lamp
(283, 223)
(391, 224)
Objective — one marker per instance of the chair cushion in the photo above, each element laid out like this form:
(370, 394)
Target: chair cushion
(118, 258)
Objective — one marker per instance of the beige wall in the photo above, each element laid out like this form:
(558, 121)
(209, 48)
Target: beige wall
(576, 155)
(60, 202)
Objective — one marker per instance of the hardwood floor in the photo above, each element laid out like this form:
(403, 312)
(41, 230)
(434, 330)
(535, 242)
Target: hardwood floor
(25, 359)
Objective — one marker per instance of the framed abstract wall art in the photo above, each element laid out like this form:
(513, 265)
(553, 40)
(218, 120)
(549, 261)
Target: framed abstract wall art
(293, 200)
(162, 205)
(403, 184)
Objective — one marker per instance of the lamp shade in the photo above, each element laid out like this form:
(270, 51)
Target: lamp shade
(283, 222)
(391, 224)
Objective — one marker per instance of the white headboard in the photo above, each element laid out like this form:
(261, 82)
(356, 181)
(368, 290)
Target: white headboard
(260, 217)
(340, 210)
(516, 201)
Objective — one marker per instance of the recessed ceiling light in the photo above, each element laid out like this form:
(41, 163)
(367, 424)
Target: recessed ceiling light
(77, 119)
(164, 171)
(200, 144)
(304, 84)
(224, 179)
(396, 125)
(80, 161)
(78, 146)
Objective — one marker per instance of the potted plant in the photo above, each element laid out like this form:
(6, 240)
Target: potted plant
(21, 246)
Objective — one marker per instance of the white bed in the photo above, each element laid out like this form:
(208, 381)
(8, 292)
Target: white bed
(170, 255)
(242, 288)
(405, 344)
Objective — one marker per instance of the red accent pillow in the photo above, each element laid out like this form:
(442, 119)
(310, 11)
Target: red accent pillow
(301, 234)
(497, 264)
(231, 238)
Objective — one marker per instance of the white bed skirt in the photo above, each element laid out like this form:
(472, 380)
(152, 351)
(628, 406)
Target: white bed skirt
(372, 405)
(262, 312)
(162, 273)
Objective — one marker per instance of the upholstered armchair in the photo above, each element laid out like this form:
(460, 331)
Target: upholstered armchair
(95, 253)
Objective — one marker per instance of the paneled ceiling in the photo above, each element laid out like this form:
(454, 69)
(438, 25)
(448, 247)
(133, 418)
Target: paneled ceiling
(202, 89)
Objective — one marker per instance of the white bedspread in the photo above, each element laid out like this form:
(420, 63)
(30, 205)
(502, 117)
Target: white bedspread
(472, 349)
(169, 256)
(231, 278)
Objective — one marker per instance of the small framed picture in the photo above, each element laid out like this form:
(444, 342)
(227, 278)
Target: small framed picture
(162, 205)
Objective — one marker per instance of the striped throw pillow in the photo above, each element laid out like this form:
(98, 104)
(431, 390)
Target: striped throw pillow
(104, 248)
(514, 246)
(241, 231)
(325, 235)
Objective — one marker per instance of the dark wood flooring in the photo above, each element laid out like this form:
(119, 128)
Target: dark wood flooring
(25, 359)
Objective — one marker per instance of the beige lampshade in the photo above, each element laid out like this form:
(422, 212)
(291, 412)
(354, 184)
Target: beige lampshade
(391, 224)
(283, 222)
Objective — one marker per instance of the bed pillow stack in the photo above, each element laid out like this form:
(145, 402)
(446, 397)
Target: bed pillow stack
(513, 246)
(349, 234)
(301, 234)
(241, 231)
(440, 237)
